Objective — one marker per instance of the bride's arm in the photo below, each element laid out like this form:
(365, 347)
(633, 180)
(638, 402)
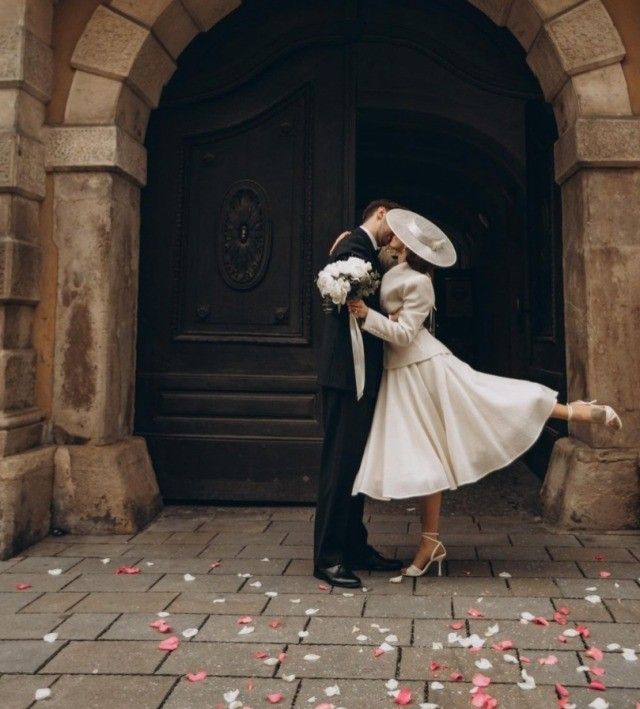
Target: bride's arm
(417, 303)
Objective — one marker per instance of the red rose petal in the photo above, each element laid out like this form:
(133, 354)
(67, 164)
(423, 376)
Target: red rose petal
(599, 557)
(457, 625)
(323, 587)
(197, 676)
(275, 624)
(456, 677)
(23, 586)
(216, 564)
(433, 666)
(377, 652)
(480, 680)
(605, 574)
(475, 613)
(503, 645)
(560, 618)
(583, 630)
(170, 644)
(539, 620)
(597, 684)
(129, 570)
(404, 697)
(564, 610)
(595, 653)
(244, 620)
(598, 671)
(260, 655)
(274, 698)
(561, 691)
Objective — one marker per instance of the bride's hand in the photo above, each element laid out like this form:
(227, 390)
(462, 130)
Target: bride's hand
(395, 316)
(337, 241)
(358, 308)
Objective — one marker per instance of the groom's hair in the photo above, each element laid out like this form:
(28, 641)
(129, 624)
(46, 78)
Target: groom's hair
(375, 205)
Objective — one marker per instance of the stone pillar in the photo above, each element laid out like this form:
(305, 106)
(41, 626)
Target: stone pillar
(104, 480)
(593, 479)
(26, 466)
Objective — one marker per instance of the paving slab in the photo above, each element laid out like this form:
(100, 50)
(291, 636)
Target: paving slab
(104, 565)
(255, 567)
(268, 537)
(182, 538)
(456, 695)
(357, 631)
(617, 698)
(624, 611)
(533, 587)
(282, 551)
(266, 629)
(529, 636)
(625, 634)
(426, 632)
(219, 659)
(285, 584)
(468, 567)
(605, 588)
(105, 657)
(631, 540)
(42, 564)
(416, 664)
(618, 671)
(200, 583)
(25, 655)
(465, 586)
(13, 602)
(328, 605)
(117, 583)
(114, 602)
(188, 695)
(108, 692)
(53, 602)
(408, 607)
(337, 662)
(218, 603)
(503, 553)
(550, 569)
(563, 672)
(38, 583)
(165, 551)
(503, 608)
(618, 570)
(355, 693)
(22, 626)
(583, 611)
(135, 626)
(537, 539)
(85, 626)
(94, 550)
(606, 554)
(18, 691)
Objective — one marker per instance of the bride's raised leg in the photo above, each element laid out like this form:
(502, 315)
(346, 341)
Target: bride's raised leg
(430, 506)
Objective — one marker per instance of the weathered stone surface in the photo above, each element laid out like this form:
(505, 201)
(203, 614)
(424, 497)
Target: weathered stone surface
(17, 379)
(497, 10)
(207, 12)
(598, 142)
(105, 656)
(105, 488)
(96, 231)
(15, 440)
(600, 92)
(524, 21)
(26, 61)
(35, 15)
(97, 100)
(25, 499)
(19, 217)
(585, 38)
(21, 112)
(577, 488)
(545, 63)
(550, 8)
(151, 70)
(19, 271)
(187, 695)
(21, 165)
(95, 148)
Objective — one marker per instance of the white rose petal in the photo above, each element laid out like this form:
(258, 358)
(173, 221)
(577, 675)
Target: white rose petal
(303, 633)
(492, 630)
(43, 693)
(391, 684)
(437, 646)
(528, 683)
(271, 661)
(362, 638)
(189, 632)
(271, 594)
(189, 577)
(593, 599)
(332, 691)
(256, 584)
(288, 678)
(613, 646)
(246, 630)
(164, 614)
(295, 600)
(348, 595)
(54, 572)
(629, 654)
(311, 611)
(391, 639)
(219, 600)
(436, 685)
(510, 658)
(599, 703)
(311, 657)
(483, 664)
(429, 705)
(50, 637)
(396, 579)
(385, 647)
(106, 561)
(570, 633)
(231, 696)
(504, 575)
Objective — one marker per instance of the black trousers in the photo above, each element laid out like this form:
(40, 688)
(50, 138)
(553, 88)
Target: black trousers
(340, 534)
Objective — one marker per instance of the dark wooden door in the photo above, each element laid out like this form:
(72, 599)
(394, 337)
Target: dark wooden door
(245, 192)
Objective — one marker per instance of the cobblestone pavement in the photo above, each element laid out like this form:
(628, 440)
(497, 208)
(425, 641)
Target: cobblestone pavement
(235, 586)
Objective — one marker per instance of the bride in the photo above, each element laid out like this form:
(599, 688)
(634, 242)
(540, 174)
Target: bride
(438, 423)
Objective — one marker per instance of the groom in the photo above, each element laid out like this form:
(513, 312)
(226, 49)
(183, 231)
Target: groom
(340, 537)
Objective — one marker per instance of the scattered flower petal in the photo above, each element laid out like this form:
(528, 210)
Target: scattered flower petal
(549, 660)
(436, 685)
(503, 645)
(595, 653)
(475, 613)
(215, 565)
(246, 630)
(391, 684)
(43, 693)
(288, 678)
(404, 697)
(332, 691)
(457, 624)
(599, 703)
(311, 657)
(196, 676)
(456, 677)
(54, 572)
(274, 698)
(605, 574)
(396, 579)
(244, 620)
(303, 633)
(505, 574)
(127, 570)
(311, 611)
(161, 626)
(528, 681)
(23, 586)
(597, 685)
(483, 664)
(480, 680)
(170, 644)
(189, 577)
(593, 599)
(629, 654)
(561, 691)
(50, 637)
(189, 632)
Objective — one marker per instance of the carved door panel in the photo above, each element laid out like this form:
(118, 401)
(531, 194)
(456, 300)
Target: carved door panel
(244, 194)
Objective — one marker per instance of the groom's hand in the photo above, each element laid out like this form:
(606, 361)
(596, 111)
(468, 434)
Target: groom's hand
(337, 241)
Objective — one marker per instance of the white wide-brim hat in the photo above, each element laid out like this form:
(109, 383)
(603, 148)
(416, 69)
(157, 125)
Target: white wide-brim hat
(423, 237)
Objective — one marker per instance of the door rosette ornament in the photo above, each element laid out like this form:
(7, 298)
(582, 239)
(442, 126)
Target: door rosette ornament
(244, 243)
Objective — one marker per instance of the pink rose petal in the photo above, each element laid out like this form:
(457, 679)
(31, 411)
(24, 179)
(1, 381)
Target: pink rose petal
(480, 680)
(322, 706)
(605, 574)
(196, 676)
(598, 671)
(564, 610)
(274, 698)
(483, 701)
(524, 658)
(404, 697)
(160, 625)
(377, 652)
(323, 587)
(539, 620)
(433, 666)
(599, 557)
(275, 624)
(456, 677)
(260, 655)
(216, 564)
(561, 691)
(23, 586)
(560, 618)
(598, 685)
(250, 685)
(282, 656)
(244, 620)
(562, 638)
(549, 660)
(475, 613)
(595, 653)
(457, 625)
(503, 645)
(128, 570)
(170, 644)
(583, 630)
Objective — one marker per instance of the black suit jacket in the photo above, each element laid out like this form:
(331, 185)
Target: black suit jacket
(336, 359)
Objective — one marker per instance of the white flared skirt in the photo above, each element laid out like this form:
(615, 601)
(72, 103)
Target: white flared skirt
(439, 424)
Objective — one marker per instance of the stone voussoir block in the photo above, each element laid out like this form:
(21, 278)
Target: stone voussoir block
(95, 148)
(21, 165)
(207, 12)
(598, 142)
(19, 271)
(547, 9)
(19, 217)
(105, 489)
(576, 493)
(17, 379)
(496, 10)
(524, 22)
(26, 482)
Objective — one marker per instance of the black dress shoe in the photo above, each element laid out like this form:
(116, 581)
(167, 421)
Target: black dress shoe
(371, 560)
(338, 575)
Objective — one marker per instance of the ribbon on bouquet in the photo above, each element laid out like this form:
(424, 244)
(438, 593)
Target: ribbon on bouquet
(357, 345)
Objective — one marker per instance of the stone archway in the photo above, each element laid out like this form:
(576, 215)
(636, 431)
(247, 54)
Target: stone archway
(124, 57)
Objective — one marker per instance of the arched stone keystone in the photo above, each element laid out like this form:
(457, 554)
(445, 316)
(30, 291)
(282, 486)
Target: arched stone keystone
(207, 12)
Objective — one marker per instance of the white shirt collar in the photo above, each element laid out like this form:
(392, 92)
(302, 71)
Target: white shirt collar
(370, 235)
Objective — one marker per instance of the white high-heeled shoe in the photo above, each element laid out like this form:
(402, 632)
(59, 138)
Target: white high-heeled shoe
(413, 570)
(604, 414)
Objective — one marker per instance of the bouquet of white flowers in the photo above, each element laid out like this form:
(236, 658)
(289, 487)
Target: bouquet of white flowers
(352, 278)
